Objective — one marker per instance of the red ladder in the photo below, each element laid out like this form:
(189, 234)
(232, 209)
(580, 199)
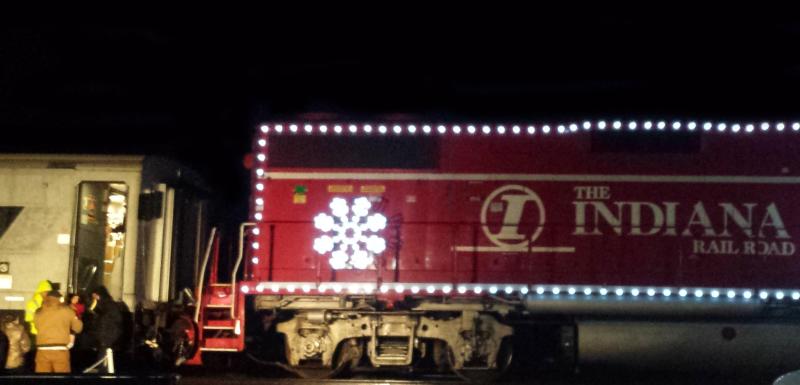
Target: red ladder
(220, 314)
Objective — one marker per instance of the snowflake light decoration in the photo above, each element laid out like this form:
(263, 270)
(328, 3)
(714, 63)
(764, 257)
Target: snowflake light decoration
(353, 242)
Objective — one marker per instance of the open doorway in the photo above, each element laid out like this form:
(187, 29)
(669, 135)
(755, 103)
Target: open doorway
(100, 237)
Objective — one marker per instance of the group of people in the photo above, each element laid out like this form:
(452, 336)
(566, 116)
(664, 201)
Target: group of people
(56, 326)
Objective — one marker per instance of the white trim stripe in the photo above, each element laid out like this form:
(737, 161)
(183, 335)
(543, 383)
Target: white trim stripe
(570, 290)
(287, 175)
(515, 249)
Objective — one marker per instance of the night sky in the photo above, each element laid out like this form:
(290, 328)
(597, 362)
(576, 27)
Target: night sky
(194, 91)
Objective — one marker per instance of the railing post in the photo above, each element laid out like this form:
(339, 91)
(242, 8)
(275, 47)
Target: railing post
(110, 360)
(201, 279)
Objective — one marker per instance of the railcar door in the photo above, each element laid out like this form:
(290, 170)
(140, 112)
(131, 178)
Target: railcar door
(97, 257)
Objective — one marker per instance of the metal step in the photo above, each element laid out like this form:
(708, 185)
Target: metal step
(219, 327)
(229, 344)
(227, 324)
(218, 350)
(221, 284)
(216, 306)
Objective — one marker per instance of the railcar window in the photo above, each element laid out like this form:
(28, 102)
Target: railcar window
(100, 236)
(389, 151)
(7, 216)
(652, 142)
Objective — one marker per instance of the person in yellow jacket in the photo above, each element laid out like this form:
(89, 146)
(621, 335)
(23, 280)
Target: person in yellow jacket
(35, 303)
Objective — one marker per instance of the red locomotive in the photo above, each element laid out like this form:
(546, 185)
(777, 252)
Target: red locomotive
(669, 243)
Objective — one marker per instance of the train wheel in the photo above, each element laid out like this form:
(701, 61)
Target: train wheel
(182, 336)
(347, 358)
(485, 376)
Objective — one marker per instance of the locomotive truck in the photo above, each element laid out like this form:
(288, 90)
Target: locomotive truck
(636, 243)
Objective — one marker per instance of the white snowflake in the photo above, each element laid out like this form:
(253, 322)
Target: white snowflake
(353, 241)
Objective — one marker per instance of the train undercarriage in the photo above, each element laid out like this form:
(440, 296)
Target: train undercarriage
(327, 335)
(478, 338)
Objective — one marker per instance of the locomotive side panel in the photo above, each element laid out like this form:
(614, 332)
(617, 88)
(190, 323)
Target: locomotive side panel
(644, 230)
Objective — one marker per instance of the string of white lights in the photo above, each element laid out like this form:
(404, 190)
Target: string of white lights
(531, 129)
(611, 291)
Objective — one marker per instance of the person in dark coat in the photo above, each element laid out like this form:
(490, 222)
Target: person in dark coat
(105, 321)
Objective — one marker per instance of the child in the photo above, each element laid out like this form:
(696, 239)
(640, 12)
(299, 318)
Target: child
(75, 304)
(79, 308)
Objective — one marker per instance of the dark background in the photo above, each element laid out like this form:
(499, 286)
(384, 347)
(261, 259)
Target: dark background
(195, 89)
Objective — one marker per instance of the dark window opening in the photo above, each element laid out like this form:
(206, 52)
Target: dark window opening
(409, 152)
(7, 216)
(646, 142)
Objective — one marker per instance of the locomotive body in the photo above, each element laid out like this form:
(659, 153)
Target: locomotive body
(617, 242)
